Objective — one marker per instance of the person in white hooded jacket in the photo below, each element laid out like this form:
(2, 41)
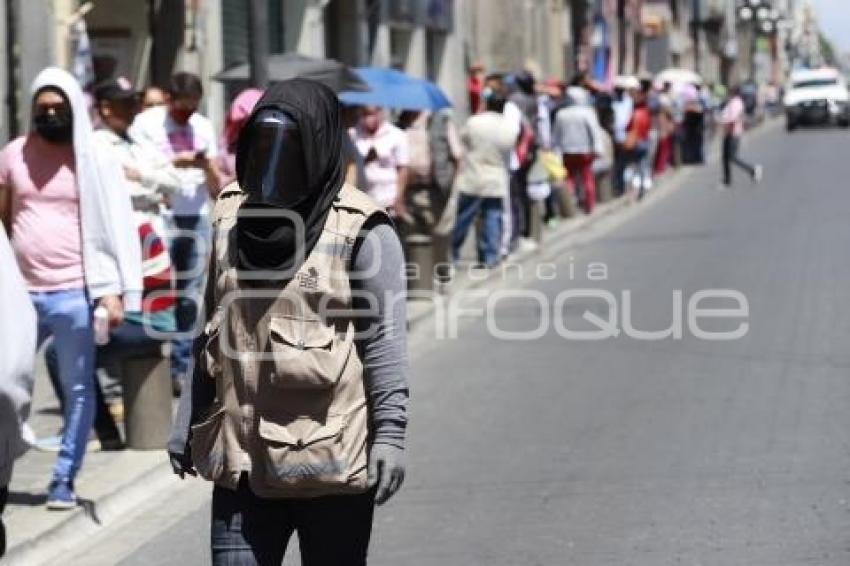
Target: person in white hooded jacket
(67, 210)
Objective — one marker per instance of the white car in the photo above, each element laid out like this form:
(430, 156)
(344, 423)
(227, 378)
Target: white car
(817, 96)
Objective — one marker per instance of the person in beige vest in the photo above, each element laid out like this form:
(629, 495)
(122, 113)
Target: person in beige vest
(297, 406)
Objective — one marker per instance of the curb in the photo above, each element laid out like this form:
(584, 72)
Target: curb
(555, 240)
(89, 518)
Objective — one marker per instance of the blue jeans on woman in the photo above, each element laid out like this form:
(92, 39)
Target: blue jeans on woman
(489, 241)
(67, 316)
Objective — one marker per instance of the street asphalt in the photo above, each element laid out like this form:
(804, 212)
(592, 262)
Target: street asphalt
(627, 451)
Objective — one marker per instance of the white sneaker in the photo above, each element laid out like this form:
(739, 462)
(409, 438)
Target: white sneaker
(49, 443)
(758, 173)
(527, 245)
(28, 435)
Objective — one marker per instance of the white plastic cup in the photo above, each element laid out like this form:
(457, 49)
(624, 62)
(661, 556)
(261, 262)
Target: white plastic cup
(101, 326)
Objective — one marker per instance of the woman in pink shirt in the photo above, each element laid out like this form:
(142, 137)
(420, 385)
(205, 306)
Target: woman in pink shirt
(67, 211)
(732, 120)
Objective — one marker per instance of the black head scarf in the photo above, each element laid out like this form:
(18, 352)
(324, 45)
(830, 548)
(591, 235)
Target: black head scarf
(270, 243)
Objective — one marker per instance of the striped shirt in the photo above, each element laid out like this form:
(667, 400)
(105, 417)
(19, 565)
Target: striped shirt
(158, 295)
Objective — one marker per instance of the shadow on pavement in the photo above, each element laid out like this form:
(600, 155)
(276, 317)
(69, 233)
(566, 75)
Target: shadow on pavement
(27, 498)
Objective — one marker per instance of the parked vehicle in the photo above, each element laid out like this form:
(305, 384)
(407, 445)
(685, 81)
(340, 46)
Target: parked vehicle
(817, 96)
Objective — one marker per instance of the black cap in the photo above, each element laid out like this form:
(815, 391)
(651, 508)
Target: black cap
(114, 89)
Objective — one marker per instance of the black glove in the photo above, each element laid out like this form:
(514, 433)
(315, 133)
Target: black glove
(181, 463)
(386, 470)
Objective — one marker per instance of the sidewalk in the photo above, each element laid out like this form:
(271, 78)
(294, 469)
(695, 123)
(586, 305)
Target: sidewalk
(32, 529)
(112, 484)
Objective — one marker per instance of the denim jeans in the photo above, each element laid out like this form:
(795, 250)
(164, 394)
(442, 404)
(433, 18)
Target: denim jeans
(247, 530)
(128, 338)
(731, 145)
(188, 249)
(489, 241)
(67, 316)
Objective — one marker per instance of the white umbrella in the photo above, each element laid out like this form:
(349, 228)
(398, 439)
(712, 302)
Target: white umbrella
(626, 82)
(678, 76)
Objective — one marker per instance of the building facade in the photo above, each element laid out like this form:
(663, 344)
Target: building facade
(148, 40)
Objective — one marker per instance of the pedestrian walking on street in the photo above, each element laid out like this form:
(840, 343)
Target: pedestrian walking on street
(298, 402)
(67, 208)
(18, 336)
(178, 131)
(151, 177)
(483, 181)
(732, 119)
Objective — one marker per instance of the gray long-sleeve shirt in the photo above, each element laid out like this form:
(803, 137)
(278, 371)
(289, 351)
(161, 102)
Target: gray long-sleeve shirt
(378, 286)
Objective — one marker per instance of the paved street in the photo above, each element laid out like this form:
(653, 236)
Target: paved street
(630, 452)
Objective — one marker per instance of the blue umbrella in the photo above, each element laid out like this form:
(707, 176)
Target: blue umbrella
(394, 89)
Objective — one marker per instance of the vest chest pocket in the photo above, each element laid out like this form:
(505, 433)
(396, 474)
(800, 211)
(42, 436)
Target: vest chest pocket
(304, 453)
(306, 354)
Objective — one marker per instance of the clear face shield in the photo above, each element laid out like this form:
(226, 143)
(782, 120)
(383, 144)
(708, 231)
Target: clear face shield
(276, 171)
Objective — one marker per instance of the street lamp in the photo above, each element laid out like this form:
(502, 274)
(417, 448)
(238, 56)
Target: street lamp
(763, 19)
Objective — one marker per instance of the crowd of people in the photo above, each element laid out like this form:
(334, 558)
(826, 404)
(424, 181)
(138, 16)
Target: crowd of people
(129, 177)
(532, 152)
(535, 151)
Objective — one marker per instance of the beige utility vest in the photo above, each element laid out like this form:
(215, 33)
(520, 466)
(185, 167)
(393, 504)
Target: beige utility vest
(290, 408)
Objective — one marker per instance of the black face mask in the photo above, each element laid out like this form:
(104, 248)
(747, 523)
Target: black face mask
(276, 171)
(55, 128)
